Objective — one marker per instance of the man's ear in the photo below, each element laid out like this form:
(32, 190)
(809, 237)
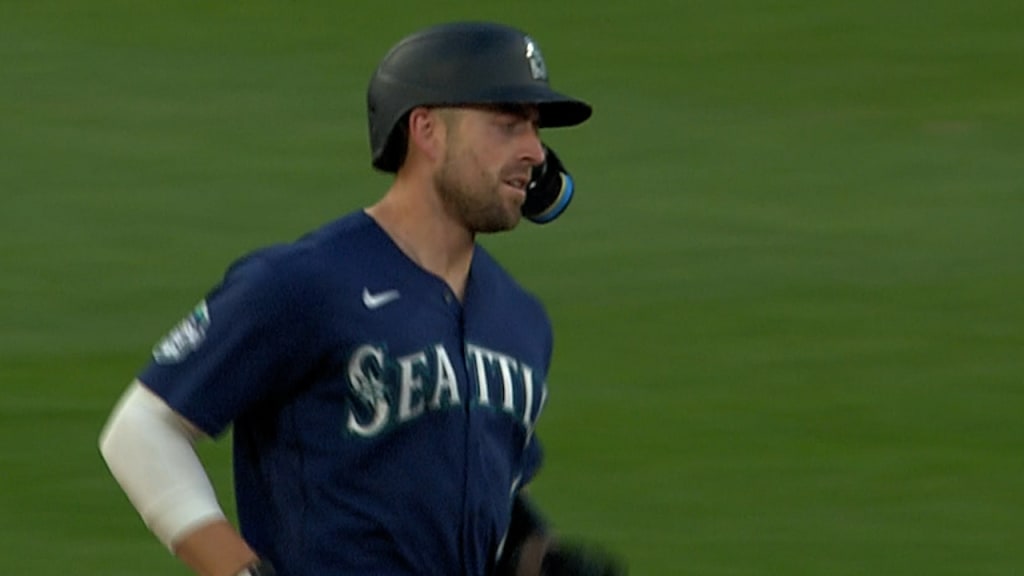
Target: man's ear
(426, 134)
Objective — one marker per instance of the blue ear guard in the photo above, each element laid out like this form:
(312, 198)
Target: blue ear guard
(550, 190)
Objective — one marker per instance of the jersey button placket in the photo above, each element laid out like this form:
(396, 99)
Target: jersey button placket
(449, 298)
(456, 309)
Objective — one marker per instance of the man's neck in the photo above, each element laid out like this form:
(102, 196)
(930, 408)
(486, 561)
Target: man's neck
(426, 234)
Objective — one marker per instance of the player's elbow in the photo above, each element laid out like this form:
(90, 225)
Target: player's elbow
(120, 433)
(140, 427)
(112, 430)
(149, 450)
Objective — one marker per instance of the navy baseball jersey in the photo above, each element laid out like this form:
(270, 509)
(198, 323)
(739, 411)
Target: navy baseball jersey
(380, 425)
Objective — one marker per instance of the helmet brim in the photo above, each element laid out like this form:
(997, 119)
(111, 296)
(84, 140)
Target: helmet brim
(563, 113)
(556, 110)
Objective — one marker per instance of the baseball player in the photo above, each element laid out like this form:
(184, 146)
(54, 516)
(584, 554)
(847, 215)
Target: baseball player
(382, 375)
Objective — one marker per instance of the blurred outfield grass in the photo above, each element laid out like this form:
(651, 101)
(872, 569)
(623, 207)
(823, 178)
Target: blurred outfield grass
(787, 299)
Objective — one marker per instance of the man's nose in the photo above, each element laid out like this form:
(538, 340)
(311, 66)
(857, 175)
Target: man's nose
(534, 148)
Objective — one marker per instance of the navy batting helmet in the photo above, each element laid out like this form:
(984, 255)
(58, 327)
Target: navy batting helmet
(460, 64)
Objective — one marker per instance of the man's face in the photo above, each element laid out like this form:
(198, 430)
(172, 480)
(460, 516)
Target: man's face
(489, 152)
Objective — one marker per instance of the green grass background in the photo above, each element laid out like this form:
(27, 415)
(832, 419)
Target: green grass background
(788, 297)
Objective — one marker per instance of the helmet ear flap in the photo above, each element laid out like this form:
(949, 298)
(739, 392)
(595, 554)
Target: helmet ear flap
(550, 190)
(392, 156)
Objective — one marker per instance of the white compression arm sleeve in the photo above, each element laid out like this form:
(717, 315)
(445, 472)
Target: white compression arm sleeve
(149, 450)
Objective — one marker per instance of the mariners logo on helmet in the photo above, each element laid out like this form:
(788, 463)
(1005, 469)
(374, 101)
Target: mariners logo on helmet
(538, 69)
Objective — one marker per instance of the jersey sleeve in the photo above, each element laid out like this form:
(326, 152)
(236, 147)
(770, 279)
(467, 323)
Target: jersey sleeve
(251, 337)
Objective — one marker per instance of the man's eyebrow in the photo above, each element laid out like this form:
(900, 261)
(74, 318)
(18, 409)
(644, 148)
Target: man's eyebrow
(524, 111)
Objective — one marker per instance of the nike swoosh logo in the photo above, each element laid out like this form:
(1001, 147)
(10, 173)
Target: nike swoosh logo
(373, 301)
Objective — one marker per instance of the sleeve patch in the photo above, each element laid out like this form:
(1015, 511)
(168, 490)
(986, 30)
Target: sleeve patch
(184, 338)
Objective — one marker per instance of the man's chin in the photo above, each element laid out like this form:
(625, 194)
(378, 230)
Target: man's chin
(507, 222)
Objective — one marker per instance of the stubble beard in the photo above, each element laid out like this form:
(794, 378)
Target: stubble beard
(480, 207)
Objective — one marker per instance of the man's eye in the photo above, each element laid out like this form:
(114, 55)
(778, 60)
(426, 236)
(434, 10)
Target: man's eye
(511, 125)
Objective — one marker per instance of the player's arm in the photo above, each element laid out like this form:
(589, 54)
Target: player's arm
(149, 449)
(531, 550)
